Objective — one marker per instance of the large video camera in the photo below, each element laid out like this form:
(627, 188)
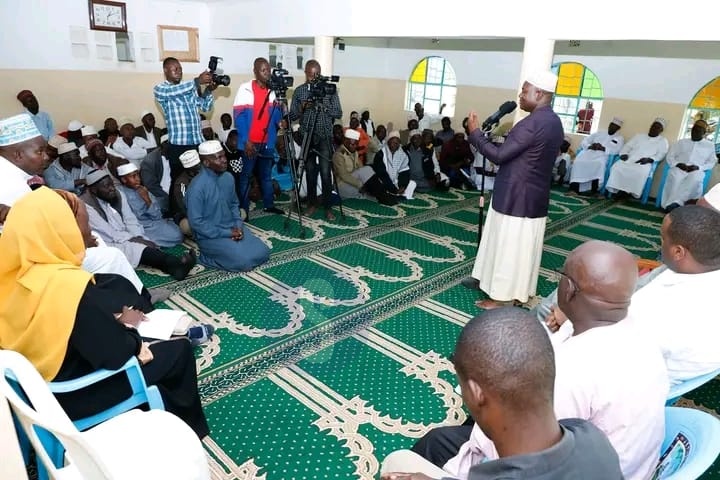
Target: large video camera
(217, 79)
(280, 81)
(321, 86)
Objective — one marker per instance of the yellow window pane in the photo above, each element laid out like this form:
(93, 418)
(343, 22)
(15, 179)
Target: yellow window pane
(708, 96)
(418, 75)
(569, 79)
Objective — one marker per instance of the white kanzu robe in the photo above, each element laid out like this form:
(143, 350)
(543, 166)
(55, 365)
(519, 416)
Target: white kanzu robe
(590, 165)
(630, 177)
(680, 185)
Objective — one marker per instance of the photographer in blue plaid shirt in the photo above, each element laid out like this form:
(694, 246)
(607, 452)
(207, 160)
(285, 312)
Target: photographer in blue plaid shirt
(180, 102)
(321, 141)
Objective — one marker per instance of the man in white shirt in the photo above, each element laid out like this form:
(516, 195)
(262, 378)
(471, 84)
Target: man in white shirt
(22, 157)
(630, 174)
(688, 159)
(588, 170)
(427, 120)
(607, 372)
(131, 147)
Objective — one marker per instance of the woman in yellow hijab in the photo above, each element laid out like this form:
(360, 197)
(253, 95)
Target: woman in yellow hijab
(68, 323)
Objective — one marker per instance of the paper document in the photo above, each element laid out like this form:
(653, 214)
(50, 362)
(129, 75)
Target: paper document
(160, 323)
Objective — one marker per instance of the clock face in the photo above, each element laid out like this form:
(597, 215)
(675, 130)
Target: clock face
(108, 16)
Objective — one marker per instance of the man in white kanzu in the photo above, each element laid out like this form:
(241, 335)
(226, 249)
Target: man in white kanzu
(637, 155)
(589, 166)
(508, 259)
(688, 159)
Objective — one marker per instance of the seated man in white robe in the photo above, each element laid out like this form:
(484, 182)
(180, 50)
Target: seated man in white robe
(688, 159)
(161, 231)
(630, 174)
(111, 217)
(130, 146)
(589, 166)
(392, 166)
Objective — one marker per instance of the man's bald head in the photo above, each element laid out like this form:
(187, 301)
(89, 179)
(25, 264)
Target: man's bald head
(597, 284)
(505, 354)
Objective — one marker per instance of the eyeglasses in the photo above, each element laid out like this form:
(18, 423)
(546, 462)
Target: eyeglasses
(573, 284)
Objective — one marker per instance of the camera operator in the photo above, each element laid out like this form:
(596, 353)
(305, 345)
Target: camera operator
(257, 117)
(180, 102)
(328, 110)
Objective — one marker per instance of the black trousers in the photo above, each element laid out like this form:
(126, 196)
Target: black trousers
(176, 168)
(319, 155)
(441, 444)
(575, 187)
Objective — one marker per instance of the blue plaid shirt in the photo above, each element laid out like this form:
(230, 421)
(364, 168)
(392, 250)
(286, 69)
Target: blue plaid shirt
(180, 103)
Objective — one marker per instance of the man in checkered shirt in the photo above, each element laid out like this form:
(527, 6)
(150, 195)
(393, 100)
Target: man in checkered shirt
(180, 102)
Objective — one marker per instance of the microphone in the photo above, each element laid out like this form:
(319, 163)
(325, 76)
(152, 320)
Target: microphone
(504, 109)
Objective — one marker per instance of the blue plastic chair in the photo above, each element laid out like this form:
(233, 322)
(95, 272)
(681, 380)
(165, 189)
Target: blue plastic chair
(681, 389)
(691, 444)
(610, 162)
(666, 171)
(648, 183)
(141, 394)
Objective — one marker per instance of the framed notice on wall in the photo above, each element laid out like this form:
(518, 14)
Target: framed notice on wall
(179, 42)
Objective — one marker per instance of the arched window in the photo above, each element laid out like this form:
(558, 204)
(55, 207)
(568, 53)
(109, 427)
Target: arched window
(432, 83)
(578, 97)
(705, 105)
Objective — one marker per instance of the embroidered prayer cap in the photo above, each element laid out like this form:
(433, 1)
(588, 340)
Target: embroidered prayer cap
(75, 125)
(144, 112)
(164, 138)
(17, 129)
(205, 124)
(661, 121)
(352, 134)
(24, 94)
(95, 176)
(393, 134)
(189, 158)
(617, 121)
(66, 147)
(126, 169)
(209, 147)
(713, 197)
(126, 121)
(544, 80)
(88, 130)
(414, 132)
(296, 127)
(56, 140)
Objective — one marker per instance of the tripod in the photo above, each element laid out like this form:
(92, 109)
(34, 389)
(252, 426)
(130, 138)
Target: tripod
(305, 150)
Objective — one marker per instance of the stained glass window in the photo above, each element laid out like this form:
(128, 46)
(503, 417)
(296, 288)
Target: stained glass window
(705, 105)
(432, 83)
(578, 97)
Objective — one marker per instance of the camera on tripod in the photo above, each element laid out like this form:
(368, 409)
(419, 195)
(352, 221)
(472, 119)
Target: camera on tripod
(217, 79)
(321, 86)
(280, 81)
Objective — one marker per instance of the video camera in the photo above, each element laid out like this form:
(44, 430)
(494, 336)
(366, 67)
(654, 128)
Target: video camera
(321, 86)
(217, 79)
(279, 82)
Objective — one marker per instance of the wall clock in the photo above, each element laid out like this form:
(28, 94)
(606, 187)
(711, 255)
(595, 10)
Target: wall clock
(107, 15)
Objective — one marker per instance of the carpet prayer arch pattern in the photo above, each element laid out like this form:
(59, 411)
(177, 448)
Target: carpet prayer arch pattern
(336, 352)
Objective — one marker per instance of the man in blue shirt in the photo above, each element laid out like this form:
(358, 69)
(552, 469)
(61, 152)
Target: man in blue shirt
(42, 120)
(180, 102)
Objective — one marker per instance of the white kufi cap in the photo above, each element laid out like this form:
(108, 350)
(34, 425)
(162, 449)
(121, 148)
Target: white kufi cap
(661, 121)
(352, 134)
(544, 80)
(393, 134)
(205, 124)
(209, 147)
(66, 147)
(126, 169)
(414, 132)
(17, 129)
(95, 176)
(144, 112)
(75, 125)
(617, 121)
(189, 158)
(296, 127)
(88, 130)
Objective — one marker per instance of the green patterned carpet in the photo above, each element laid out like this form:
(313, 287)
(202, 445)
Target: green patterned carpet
(335, 353)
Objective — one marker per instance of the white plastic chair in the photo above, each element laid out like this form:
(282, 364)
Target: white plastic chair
(134, 445)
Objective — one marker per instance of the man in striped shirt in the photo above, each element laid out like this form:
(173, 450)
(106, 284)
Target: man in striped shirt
(180, 102)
